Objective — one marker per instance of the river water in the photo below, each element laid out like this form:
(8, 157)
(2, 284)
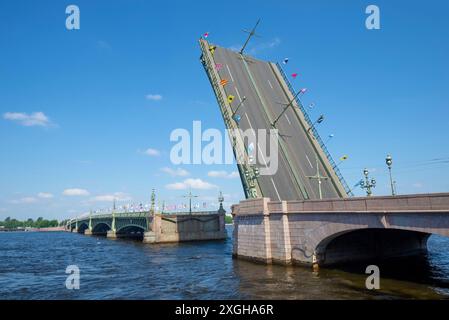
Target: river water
(33, 265)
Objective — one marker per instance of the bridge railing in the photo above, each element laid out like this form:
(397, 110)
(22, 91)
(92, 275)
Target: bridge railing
(191, 213)
(315, 133)
(140, 214)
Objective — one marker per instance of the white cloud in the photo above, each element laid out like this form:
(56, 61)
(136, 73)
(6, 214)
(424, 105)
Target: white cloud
(28, 120)
(265, 45)
(175, 173)
(118, 196)
(152, 152)
(191, 183)
(24, 200)
(75, 192)
(223, 174)
(153, 97)
(45, 195)
(258, 47)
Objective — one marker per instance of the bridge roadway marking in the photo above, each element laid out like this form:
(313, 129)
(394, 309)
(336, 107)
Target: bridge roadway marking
(282, 176)
(263, 158)
(284, 151)
(263, 71)
(301, 142)
(330, 186)
(250, 104)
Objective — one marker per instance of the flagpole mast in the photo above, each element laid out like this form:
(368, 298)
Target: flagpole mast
(285, 109)
(252, 33)
(190, 196)
(318, 177)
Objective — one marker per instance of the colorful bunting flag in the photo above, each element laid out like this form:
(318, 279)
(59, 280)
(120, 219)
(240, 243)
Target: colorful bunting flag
(230, 98)
(206, 35)
(224, 82)
(294, 75)
(344, 158)
(285, 61)
(218, 66)
(212, 49)
(303, 90)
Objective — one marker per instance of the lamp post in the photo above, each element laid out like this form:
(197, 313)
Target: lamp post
(319, 120)
(389, 162)
(367, 184)
(318, 177)
(287, 105)
(329, 138)
(190, 196)
(237, 109)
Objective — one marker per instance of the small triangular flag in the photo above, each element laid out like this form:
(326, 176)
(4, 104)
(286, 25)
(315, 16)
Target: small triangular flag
(285, 61)
(230, 98)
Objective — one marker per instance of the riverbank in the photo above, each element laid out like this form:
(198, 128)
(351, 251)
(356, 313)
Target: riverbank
(51, 229)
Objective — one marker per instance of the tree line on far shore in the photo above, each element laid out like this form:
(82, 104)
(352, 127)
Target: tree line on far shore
(40, 222)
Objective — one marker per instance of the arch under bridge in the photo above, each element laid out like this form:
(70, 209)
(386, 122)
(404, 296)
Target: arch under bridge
(153, 227)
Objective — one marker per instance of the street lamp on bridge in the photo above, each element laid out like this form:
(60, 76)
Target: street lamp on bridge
(238, 107)
(285, 108)
(389, 162)
(318, 177)
(190, 196)
(367, 184)
(318, 121)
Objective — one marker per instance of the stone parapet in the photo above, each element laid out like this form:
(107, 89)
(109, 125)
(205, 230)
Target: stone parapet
(307, 231)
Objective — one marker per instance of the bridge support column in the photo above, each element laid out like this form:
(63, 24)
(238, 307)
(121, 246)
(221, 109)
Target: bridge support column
(153, 234)
(112, 234)
(252, 234)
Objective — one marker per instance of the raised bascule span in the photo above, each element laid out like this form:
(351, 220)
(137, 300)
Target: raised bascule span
(304, 212)
(260, 92)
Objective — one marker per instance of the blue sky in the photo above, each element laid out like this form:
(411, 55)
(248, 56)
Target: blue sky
(80, 108)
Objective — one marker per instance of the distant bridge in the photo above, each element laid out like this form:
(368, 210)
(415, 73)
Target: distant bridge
(153, 227)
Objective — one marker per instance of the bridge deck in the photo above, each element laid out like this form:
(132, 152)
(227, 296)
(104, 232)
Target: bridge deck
(263, 86)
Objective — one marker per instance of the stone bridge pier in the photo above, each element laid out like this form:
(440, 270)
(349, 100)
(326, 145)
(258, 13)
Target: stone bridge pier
(333, 231)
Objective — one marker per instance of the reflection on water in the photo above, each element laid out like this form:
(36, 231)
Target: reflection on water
(32, 266)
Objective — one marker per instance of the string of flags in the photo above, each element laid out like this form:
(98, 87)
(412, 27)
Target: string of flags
(230, 98)
(223, 82)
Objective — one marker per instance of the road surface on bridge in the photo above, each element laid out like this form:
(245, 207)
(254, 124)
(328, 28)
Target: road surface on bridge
(263, 86)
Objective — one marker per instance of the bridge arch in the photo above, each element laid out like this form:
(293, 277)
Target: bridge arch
(101, 228)
(83, 227)
(131, 231)
(365, 244)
